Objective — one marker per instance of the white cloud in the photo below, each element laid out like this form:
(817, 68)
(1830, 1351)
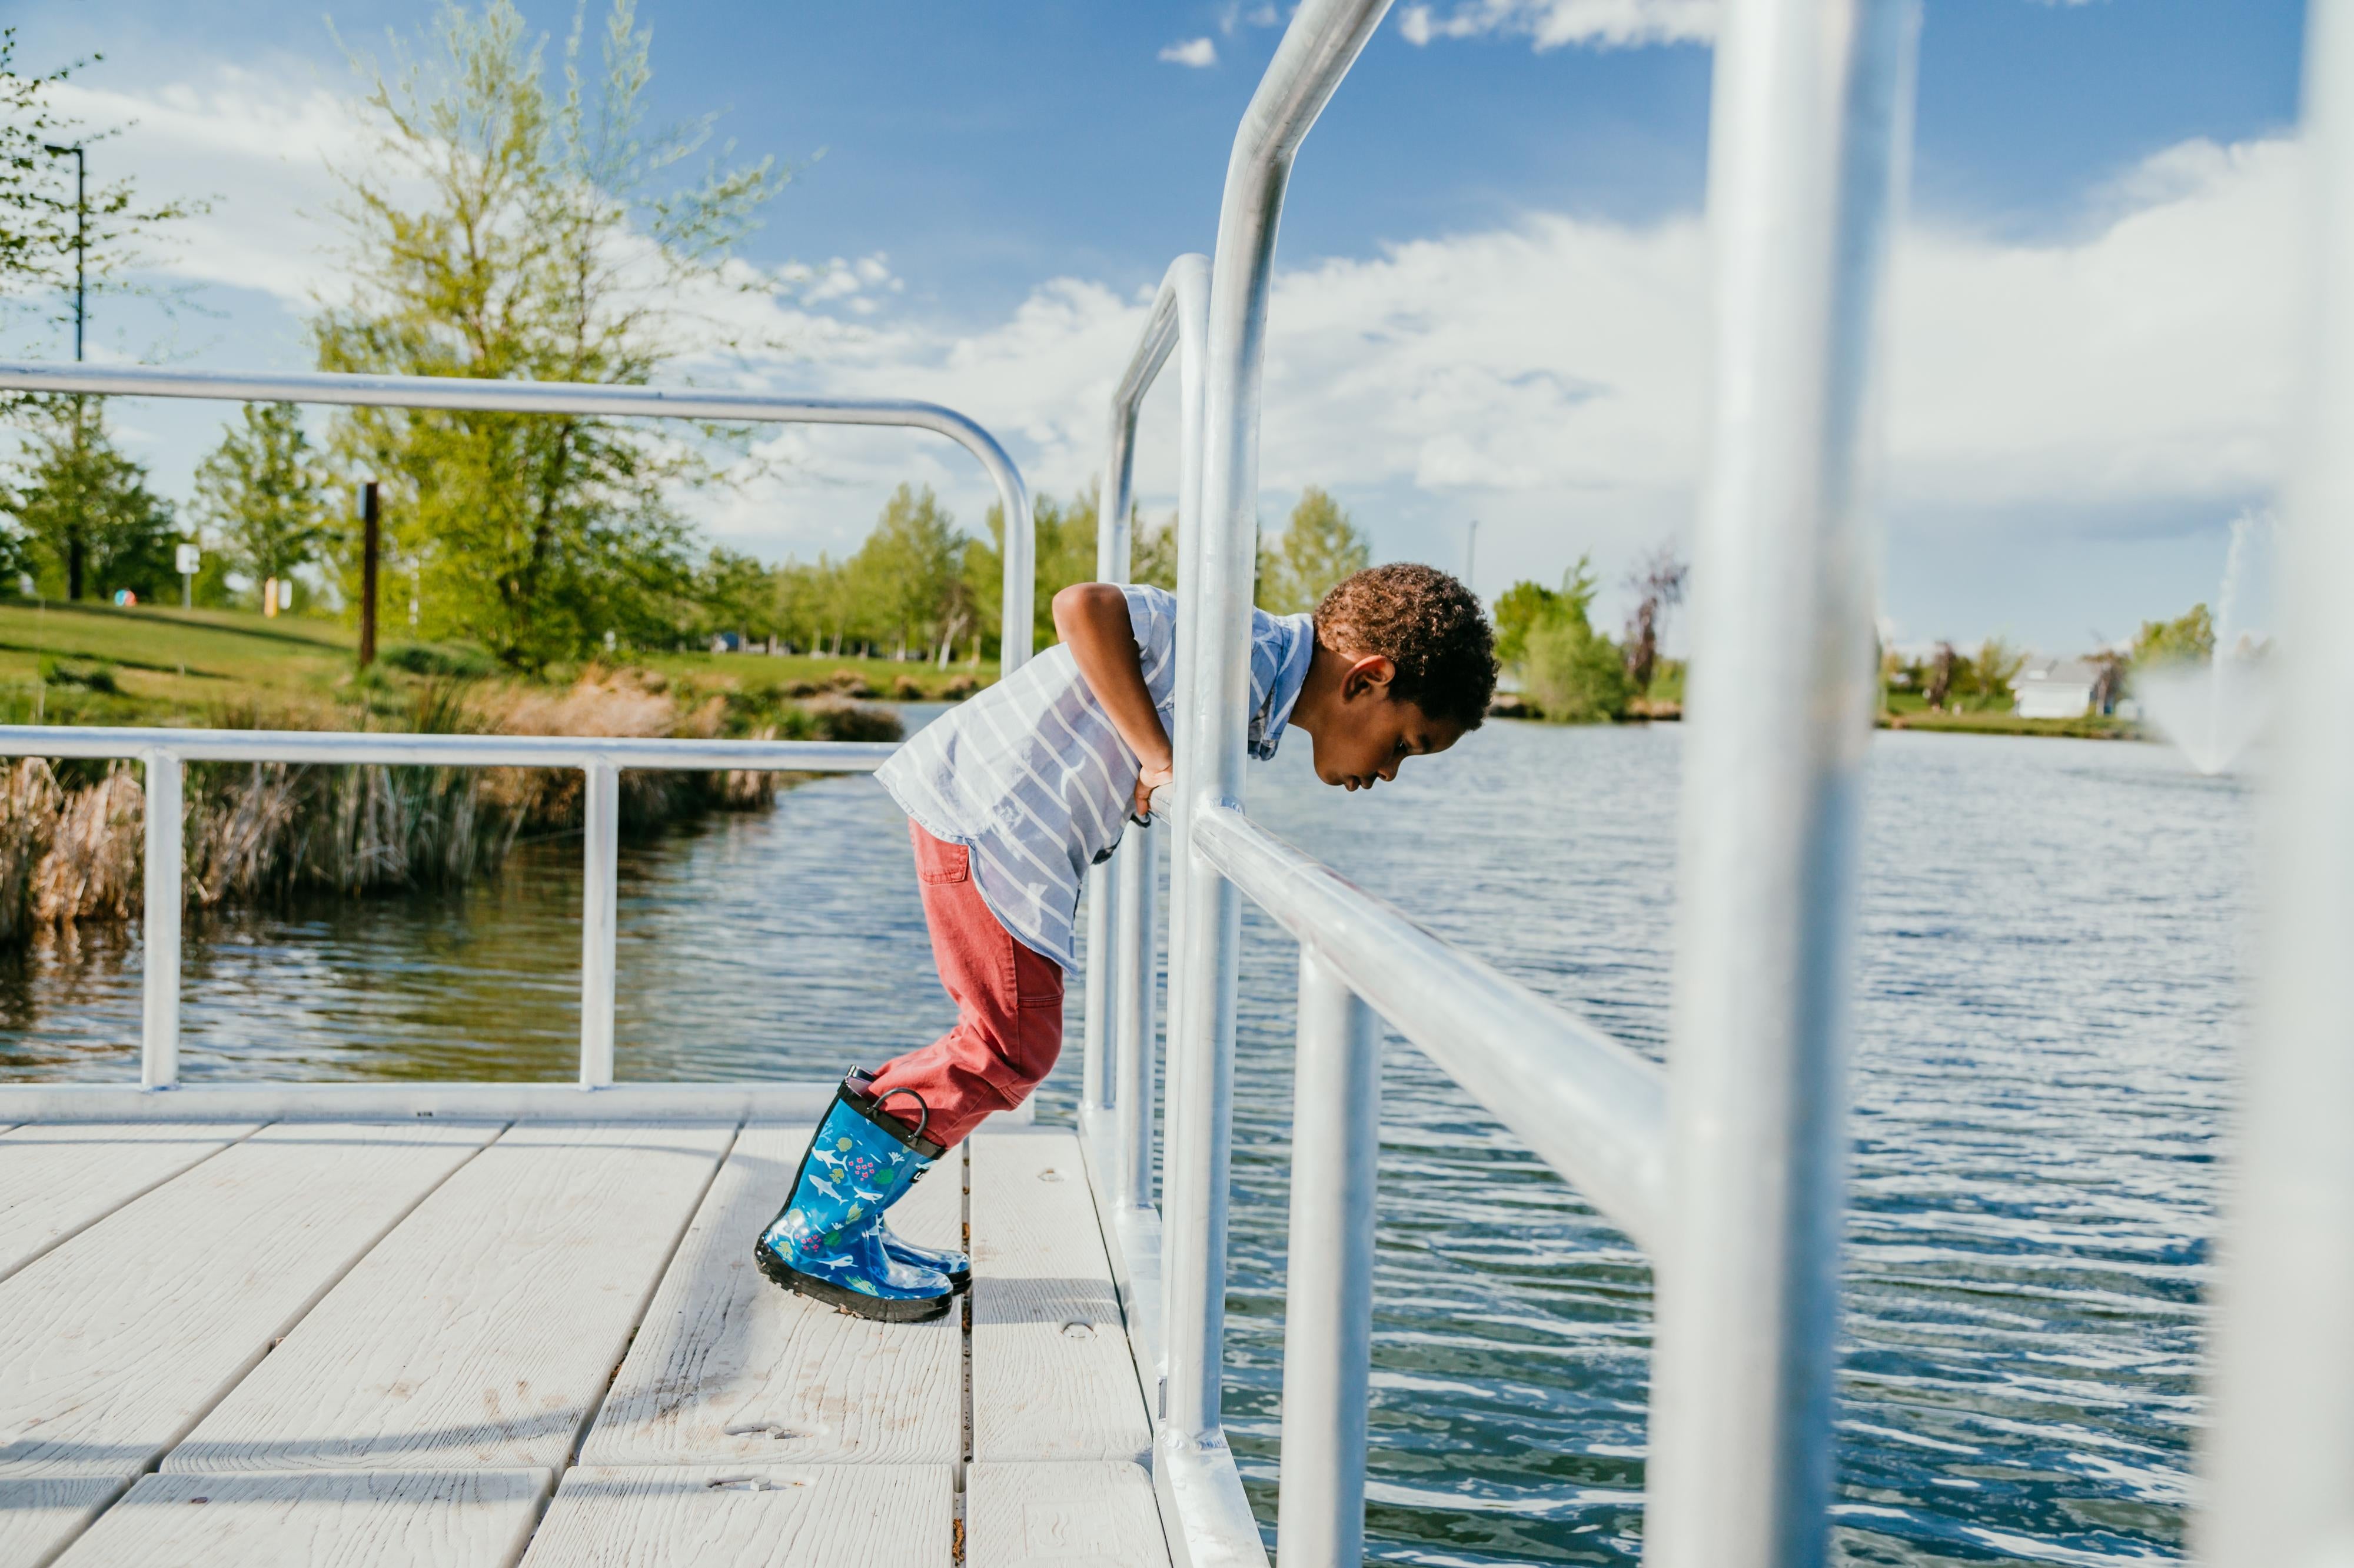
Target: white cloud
(1234, 15)
(1198, 53)
(262, 153)
(1607, 23)
(1546, 376)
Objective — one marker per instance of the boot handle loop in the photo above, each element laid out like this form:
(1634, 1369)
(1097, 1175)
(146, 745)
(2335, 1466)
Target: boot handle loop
(923, 1111)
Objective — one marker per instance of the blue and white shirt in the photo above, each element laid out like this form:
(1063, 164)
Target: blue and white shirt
(1033, 778)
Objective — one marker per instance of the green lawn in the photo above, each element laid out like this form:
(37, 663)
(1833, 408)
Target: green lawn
(94, 663)
(91, 663)
(1907, 710)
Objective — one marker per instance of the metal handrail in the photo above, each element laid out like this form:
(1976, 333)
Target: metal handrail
(1119, 1012)
(600, 759)
(1586, 1105)
(462, 394)
(1116, 1096)
(1194, 1469)
(2278, 1453)
(1812, 105)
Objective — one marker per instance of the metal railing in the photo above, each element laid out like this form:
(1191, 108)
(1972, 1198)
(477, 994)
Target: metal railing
(2279, 1453)
(1117, 1079)
(1729, 1170)
(165, 753)
(463, 394)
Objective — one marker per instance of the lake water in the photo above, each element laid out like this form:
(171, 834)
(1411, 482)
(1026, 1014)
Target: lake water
(2049, 986)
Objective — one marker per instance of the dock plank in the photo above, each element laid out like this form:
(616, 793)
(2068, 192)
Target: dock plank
(750, 1515)
(114, 1344)
(37, 1517)
(414, 1519)
(1052, 1378)
(485, 1328)
(1086, 1513)
(728, 1368)
(61, 1178)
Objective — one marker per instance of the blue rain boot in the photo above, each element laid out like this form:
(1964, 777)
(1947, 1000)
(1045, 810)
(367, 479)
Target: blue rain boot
(827, 1241)
(942, 1260)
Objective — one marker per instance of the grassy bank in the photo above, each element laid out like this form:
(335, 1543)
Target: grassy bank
(89, 664)
(1907, 710)
(71, 833)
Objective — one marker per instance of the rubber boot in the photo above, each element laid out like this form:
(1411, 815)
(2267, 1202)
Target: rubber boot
(826, 1243)
(944, 1260)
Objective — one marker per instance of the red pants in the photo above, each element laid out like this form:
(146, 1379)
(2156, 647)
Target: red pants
(1008, 1001)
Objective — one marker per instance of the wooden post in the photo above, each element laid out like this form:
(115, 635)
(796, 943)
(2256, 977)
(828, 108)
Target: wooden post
(370, 536)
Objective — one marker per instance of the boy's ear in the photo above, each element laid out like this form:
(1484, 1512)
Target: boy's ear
(1370, 675)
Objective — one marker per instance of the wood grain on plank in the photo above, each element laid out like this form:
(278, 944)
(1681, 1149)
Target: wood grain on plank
(39, 1518)
(750, 1515)
(486, 1328)
(415, 1519)
(1051, 1373)
(1082, 1513)
(57, 1177)
(114, 1344)
(727, 1367)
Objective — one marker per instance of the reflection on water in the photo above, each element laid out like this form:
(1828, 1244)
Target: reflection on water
(2049, 982)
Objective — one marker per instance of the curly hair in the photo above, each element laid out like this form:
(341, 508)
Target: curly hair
(1428, 625)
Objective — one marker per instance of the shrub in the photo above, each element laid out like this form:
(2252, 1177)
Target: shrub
(840, 720)
(460, 659)
(1574, 676)
(849, 683)
(907, 689)
(959, 687)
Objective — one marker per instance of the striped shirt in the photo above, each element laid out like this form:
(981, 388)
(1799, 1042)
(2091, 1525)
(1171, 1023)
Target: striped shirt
(1033, 778)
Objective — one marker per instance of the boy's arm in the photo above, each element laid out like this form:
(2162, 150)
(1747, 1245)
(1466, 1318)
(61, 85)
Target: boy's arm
(1093, 622)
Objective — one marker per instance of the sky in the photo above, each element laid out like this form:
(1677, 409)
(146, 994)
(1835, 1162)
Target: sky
(1488, 304)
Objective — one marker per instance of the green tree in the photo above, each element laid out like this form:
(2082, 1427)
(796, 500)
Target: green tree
(910, 568)
(1319, 546)
(1992, 670)
(1064, 553)
(1154, 557)
(504, 230)
(88, 523)
(263, 493)
(731, 591)
(1521, 609)
(1573, 673)
(2188, 638)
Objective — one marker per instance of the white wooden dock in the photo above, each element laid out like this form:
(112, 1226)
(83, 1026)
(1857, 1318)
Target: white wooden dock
(475, 1344)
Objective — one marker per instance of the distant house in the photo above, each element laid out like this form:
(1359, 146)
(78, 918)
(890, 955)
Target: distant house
(2056, 688)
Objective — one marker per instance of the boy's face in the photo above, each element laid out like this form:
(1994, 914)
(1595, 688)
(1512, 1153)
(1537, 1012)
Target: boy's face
(1371, 732)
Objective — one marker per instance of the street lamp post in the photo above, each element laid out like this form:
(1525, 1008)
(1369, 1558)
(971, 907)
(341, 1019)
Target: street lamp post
(81, 230)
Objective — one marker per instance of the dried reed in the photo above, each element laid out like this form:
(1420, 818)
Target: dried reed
(264, 832)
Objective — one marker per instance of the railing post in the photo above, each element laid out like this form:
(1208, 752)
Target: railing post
(1323, 39)
(159, 1043)
(1103, 924)
(1811, 102)
(1327, 1314)
(1132, 1018)
(601, 830)
(2279, 1449)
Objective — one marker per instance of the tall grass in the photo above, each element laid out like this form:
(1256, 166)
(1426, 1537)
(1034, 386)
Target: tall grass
(73, 845)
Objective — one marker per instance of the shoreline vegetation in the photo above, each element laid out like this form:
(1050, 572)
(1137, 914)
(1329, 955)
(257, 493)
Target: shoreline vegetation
(73, 832)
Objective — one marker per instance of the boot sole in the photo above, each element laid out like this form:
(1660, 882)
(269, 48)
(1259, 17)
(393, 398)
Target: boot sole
(857, 1303)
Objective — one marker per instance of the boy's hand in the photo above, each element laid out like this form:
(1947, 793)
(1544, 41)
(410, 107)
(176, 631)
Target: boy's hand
(1148, 778)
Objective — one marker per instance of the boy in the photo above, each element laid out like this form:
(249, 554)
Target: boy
(1010, 797)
